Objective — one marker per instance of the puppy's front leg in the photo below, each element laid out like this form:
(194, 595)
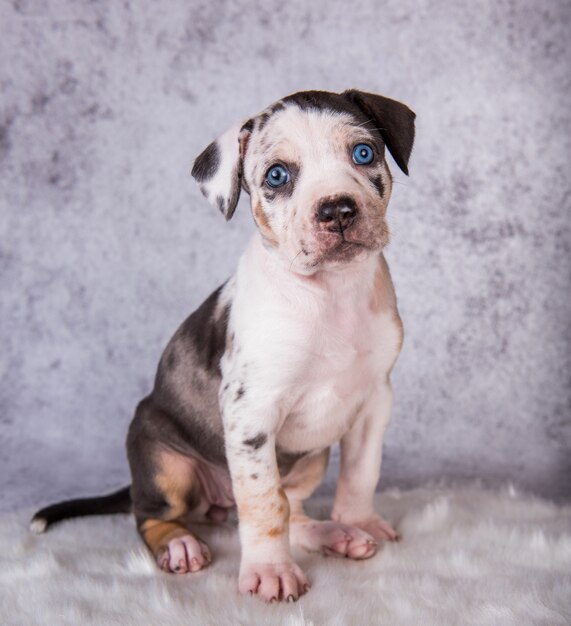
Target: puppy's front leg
(361, 452)
(267, 568)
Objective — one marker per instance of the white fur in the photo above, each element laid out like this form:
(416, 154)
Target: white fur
(310, 358)
(467, 557)
(313, 360)
(320, 350)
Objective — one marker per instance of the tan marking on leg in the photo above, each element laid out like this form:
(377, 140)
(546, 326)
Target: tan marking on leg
(177, 481)
(174, 547)
(268, 512)
(157, 533)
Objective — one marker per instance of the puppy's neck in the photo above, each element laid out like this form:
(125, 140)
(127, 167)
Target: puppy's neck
(278, 271)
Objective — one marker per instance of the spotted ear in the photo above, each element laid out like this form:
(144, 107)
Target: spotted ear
(218, 169)
(394, 120)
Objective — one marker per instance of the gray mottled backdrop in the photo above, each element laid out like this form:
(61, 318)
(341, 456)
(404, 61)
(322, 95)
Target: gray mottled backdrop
(106, 244)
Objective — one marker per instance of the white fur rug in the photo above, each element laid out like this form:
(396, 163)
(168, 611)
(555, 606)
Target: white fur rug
(468, 556)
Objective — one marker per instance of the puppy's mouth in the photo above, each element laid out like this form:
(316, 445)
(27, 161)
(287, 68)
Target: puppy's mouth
(342, 249)
(345, 240)
(335, 248)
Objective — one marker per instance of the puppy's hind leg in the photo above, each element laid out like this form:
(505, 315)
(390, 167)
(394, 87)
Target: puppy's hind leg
(328, 537)
(176, 549)
(166, 493)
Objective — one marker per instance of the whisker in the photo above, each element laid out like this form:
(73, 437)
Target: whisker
(293, 260)
(365, 122)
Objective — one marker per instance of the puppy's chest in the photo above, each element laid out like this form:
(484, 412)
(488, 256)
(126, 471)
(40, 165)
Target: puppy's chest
(337, 370)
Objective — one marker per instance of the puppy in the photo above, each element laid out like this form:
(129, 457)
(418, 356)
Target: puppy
(290, 355)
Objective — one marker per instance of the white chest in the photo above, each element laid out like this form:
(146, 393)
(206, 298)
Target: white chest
(312, 352)
(336, 373)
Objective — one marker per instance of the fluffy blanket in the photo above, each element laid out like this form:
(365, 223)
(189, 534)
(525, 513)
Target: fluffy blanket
(468, 556)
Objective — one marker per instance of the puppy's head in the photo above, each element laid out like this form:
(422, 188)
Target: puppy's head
(314, 166)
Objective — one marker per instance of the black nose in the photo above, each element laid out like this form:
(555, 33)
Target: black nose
(338, 214)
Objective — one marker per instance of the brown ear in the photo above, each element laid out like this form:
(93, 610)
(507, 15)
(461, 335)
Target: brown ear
(394, 120)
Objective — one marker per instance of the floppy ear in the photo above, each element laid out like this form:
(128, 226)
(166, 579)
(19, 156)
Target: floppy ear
(218, 169)
(394, 120)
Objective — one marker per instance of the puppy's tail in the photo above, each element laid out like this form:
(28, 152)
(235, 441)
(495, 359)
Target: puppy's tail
(116, 502)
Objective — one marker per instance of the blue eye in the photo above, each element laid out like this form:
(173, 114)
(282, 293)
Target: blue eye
(277, 176)
(363, 154)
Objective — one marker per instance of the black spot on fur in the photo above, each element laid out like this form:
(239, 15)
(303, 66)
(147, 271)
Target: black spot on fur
(265, 117)
(256, 442)
(206, 164)
(263, 120)
(323, 101)
(221, 204)
(269, 193)
(254, 476)
(378, 182)
(249, 126)
(209, 334)
(240, 392)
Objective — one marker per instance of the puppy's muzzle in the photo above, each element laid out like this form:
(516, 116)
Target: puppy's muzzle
(336, 215)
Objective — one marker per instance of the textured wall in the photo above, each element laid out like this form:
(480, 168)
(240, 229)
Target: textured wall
(106, 244)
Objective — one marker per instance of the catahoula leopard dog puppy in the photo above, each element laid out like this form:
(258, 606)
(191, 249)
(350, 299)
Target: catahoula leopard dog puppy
(292, 354)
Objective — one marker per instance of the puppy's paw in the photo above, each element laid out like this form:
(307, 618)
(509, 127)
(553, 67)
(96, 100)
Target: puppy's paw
(333, 539)
(184, 554)
(273, 582)
(379, 528)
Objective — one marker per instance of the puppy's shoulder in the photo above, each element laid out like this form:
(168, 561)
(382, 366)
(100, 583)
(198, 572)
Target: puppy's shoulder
(383, 297)
(202, 337)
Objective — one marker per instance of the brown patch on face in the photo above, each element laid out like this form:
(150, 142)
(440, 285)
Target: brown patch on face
(263, 224)
(275, 532)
